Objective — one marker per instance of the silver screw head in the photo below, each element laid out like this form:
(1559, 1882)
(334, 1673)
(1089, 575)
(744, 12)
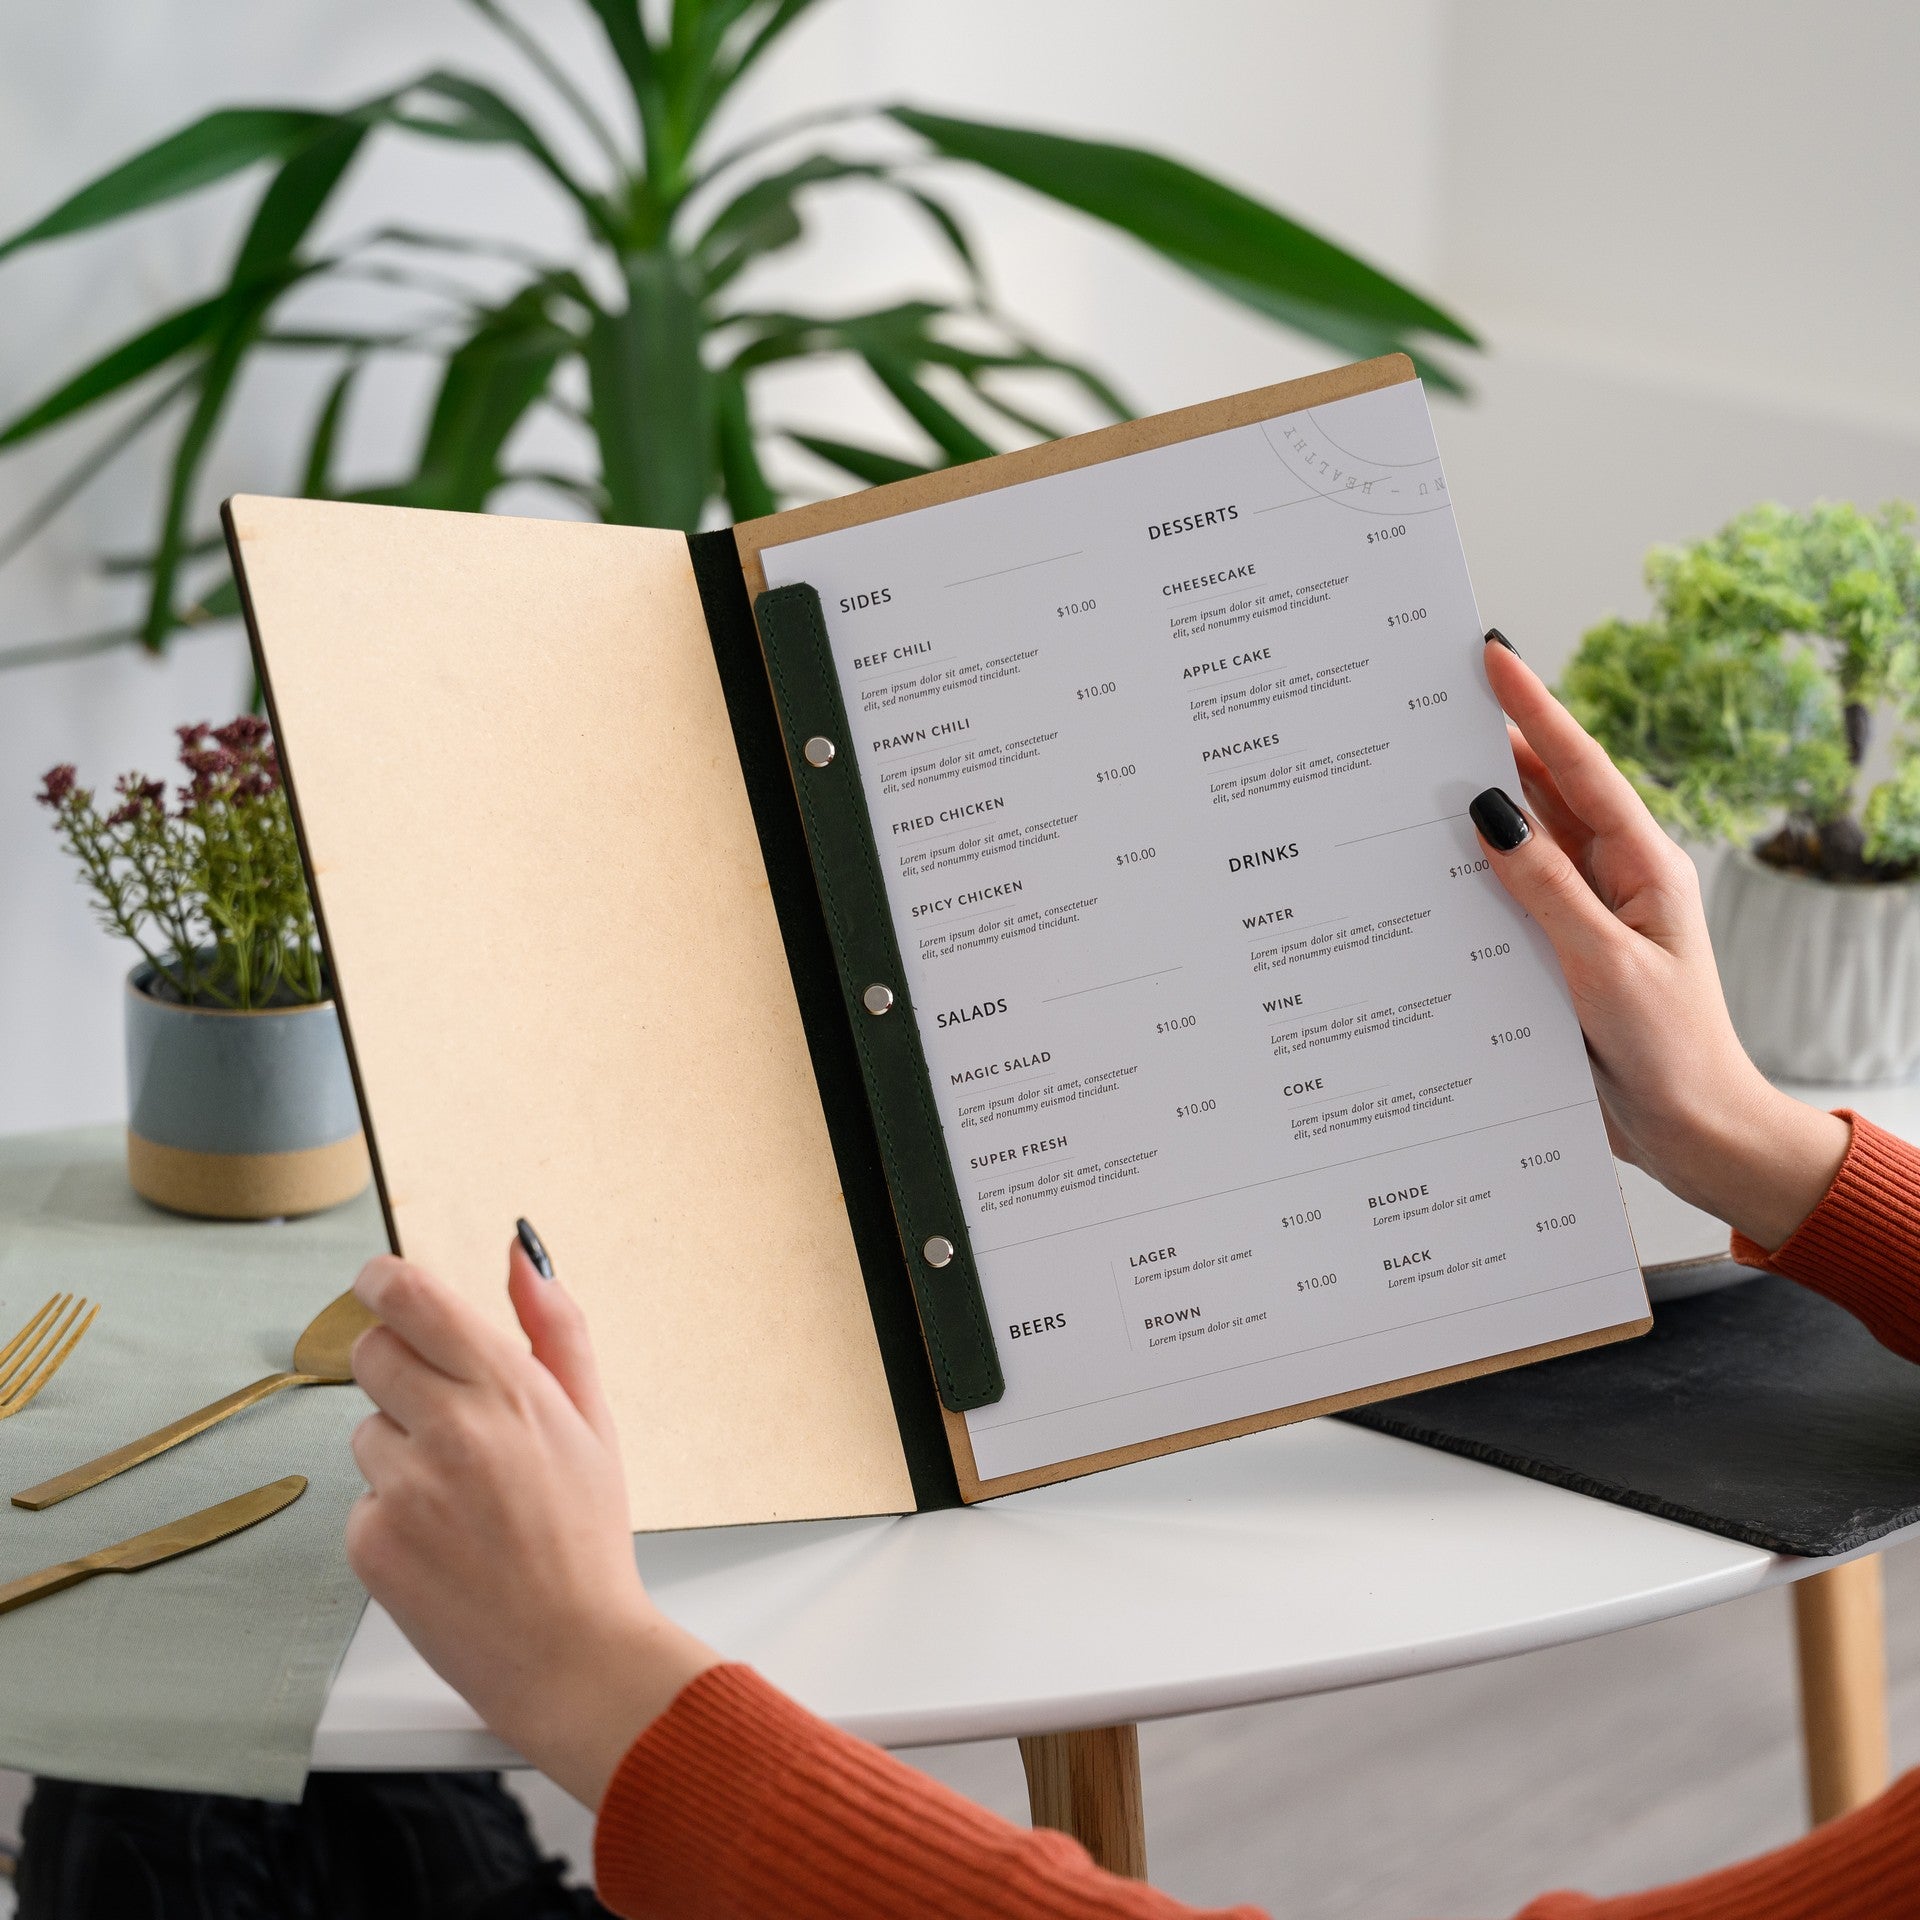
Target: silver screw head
(938, 1251)
(819, 751)
(877, 999)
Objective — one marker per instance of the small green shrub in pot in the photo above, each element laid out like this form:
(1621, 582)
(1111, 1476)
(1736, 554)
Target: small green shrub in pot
(1781, 659)
(240, 1104)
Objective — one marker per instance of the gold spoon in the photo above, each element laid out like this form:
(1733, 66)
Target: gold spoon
(321, 1358)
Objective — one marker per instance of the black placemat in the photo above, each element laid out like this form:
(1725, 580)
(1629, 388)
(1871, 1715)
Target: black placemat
(1761, 1412)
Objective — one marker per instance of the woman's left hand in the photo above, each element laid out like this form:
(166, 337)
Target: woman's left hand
(494, 1528)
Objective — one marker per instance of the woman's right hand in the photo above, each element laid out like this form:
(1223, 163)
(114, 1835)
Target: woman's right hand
(494, 1526)
(1621, 904)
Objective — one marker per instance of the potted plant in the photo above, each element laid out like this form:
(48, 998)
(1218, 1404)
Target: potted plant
(642, 338)
(1780, 672)
(240, 1104)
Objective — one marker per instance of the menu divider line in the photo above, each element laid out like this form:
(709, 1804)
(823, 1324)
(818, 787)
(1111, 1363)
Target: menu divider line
(1105, 984)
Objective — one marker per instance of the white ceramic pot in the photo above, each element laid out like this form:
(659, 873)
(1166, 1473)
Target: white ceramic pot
(1822, 979)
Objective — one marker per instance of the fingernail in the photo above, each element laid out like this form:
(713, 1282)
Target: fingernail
(1498, 639)
(1501, 823)
(530, 1243)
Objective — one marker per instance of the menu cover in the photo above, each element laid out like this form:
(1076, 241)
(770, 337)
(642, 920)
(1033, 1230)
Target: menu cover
(975, 982)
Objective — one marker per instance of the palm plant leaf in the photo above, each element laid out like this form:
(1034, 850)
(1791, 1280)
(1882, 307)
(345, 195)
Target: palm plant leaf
(636, 308)
(209, 150)
(489, 385)
(1193, 220)
(868, 465)
(653, 408)
(748, 493)
(132, 360)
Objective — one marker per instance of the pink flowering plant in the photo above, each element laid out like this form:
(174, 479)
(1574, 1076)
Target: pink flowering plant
(209, 888)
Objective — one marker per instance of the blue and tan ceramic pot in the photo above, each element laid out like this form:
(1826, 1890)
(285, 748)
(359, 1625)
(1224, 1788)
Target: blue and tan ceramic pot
(239, 1116)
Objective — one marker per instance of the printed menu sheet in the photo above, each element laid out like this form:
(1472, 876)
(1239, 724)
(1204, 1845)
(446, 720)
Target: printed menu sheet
(1258, 1087)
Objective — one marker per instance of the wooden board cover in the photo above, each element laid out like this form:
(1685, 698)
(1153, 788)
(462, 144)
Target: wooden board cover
(563, 980)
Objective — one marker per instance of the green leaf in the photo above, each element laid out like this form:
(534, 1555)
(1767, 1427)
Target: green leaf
(222, 603)
(291, 204)
(42, 653)
(1195, 221)
(263, 269)
(316, 477)
(774, 20)
(868, 465)
(620, 21)
(1358, 339)
(556, 76)
(476, 113)
(210, 149)
(76, 478)
(763, 218)
(587, 493)
(652, 398)
(489, 385)
(1026, 358)
(949, 432)
(131, 360)
(1027, 422)
(748, 494)
(951, 231)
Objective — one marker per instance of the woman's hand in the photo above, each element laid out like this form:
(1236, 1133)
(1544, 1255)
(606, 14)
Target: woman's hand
(1621, 904)
(494, 1528)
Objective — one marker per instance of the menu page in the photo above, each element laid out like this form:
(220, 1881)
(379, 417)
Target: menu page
(1258, 1087)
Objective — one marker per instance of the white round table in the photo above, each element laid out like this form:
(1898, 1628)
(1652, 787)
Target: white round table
(1294, 1561)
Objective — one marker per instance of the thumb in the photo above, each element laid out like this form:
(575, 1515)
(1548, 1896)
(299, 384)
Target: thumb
(1535, 870)
(556, 1329)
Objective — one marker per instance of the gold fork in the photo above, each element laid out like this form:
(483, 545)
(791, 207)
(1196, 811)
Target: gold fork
(39, 1350)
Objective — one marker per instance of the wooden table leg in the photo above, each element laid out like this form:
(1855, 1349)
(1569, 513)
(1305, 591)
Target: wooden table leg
(1839, 1620)
(1088, 1784)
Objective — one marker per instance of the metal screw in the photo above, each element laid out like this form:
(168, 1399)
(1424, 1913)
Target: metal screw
(877, 999)
(938, 1251)
(819, 751)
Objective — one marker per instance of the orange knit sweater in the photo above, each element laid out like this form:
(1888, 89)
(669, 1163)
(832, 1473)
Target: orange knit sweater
(737, 1804)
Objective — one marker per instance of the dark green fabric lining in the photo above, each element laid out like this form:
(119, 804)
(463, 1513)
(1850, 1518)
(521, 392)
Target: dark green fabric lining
(846, 865)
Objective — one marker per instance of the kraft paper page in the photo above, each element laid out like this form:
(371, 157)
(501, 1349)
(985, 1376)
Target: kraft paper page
(564, 982)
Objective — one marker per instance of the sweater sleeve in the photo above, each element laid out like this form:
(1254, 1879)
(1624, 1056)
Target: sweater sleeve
(1861, 1245)
(737, 1803)
(1863, 1866)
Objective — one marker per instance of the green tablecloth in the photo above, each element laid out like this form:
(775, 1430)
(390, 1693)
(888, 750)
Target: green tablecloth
(208, 1671)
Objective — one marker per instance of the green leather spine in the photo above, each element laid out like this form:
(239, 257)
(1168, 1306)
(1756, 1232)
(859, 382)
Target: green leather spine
(846, 866)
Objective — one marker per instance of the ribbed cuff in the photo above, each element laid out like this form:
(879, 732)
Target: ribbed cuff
(737, 1804)
(1861, 1245)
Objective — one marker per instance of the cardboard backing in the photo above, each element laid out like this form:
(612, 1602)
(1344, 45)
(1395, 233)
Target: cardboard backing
(754, 537)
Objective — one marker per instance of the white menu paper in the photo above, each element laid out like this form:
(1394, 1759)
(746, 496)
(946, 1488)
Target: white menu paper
(1258, 1088)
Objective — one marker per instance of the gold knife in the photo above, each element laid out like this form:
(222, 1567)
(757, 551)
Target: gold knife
(200, 1529)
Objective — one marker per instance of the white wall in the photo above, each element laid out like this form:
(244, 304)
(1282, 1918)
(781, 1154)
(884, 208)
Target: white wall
(1684, 229)
(1689, 232)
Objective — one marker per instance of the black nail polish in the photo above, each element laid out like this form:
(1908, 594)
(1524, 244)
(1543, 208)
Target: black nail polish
(1499, 639)
(530, 1242)
(1501, 823)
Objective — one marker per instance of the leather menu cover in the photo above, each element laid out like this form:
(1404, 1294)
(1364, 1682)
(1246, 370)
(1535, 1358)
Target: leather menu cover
(1758, 1411)
(564, 980)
